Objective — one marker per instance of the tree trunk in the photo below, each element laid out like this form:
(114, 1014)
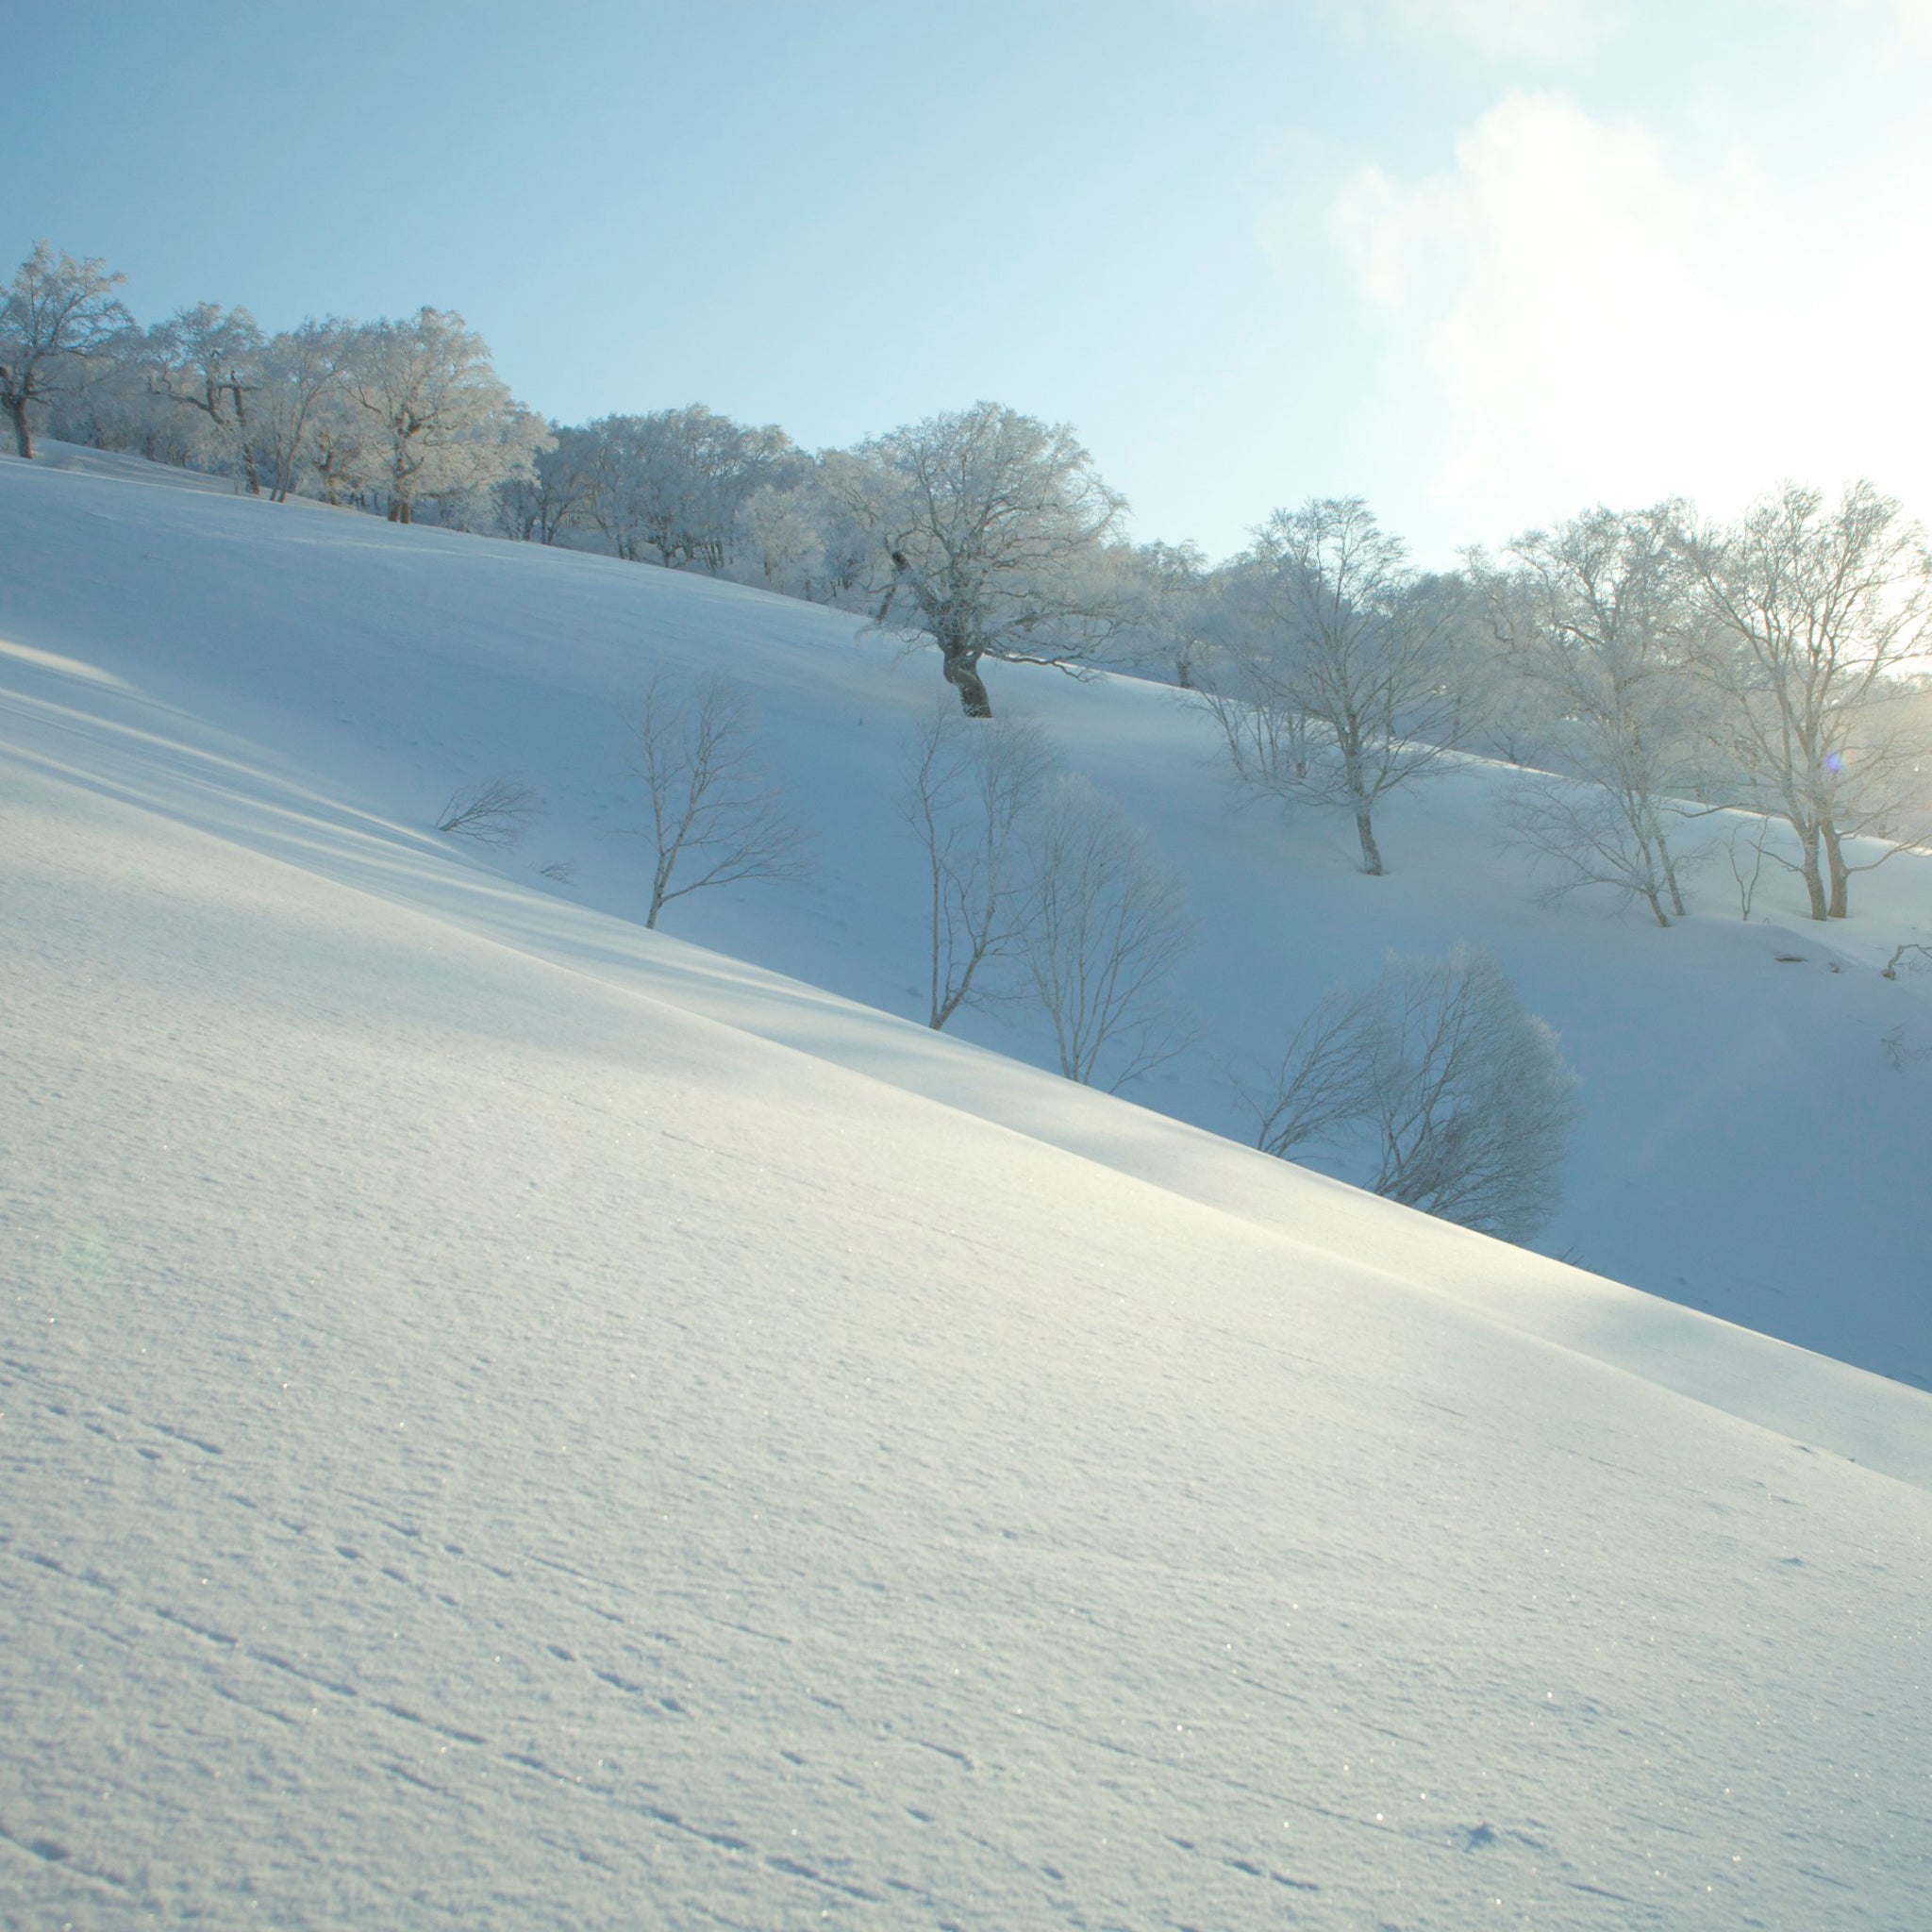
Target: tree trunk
(1839, 907)
(1372, 853)
(962, 673)
(22, 436)
(1669, 865)
(1808, 865)
(249, 469)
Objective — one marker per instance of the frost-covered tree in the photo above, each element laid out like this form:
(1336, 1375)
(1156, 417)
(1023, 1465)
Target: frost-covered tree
(667, 488)
(115, 409)
(298, 373)
(1814, 611)
(1168, 592)
(1517, 720)
(842, 503)
(1337, 679)
(1106, 924)
(1439, 1086)
(779, 539)
(57, 316)
(797, 534)
(988, 529)
(208, 359)
(539, 505)
(970, 793)
(345, 446)
(1596, 620)
(437, 420)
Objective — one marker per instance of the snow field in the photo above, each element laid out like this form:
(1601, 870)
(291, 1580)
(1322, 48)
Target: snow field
(509, 1421)
(1746, 1147)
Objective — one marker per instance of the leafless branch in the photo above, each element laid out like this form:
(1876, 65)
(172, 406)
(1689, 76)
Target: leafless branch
(496, 812)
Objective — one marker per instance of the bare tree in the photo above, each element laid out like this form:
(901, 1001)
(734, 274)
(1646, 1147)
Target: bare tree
(1352, 652)
(1106, 926)
(969, 794)
(1815, 610)
(493, 812)
(715, 818)
(1610, 833)
(1598, 617)
(56, 315)
(1457, 1099)
(1317, 1090)
(991, 525)
(1517, 718)
(1899, 1051)
(1743, 846)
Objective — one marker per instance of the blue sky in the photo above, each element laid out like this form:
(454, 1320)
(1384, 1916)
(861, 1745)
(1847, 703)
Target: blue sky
(1482, 261)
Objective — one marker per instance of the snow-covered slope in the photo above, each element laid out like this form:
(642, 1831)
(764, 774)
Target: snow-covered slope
(1747, 1146)
(510, 1420)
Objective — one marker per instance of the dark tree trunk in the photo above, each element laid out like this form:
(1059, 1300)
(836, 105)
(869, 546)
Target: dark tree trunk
(1839, 907)
(22, 436)
(249, 469)
(962, 673)
(1670, 868)
(1808, 866)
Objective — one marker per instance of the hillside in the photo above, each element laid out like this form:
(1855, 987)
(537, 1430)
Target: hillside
(1747, 1146)
(509, 1421)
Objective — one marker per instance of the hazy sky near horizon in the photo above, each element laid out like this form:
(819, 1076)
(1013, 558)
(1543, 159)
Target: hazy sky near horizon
(1481, 261)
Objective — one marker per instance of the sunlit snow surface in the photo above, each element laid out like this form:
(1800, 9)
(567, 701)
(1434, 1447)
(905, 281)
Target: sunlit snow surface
(507, 1420)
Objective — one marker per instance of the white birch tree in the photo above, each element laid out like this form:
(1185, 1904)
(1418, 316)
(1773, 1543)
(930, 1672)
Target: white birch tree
(299, 371)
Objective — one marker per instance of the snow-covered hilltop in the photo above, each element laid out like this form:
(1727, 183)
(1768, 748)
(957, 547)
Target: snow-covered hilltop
(510, 1420)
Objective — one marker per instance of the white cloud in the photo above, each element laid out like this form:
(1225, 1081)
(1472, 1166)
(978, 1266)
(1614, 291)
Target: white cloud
(1571, 316)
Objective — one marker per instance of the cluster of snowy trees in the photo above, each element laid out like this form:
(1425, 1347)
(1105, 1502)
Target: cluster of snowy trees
(1640, 666)
(404, 417)
(1645, 669)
